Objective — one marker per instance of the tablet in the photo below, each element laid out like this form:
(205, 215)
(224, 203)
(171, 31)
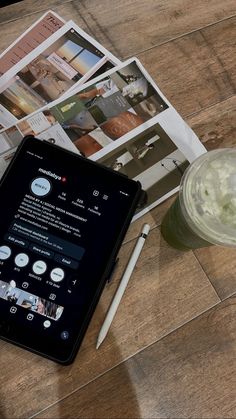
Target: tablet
(62, 222)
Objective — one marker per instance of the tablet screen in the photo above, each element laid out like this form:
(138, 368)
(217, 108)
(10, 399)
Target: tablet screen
(62, 219)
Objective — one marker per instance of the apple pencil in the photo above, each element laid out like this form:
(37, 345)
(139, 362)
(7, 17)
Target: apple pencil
(123, 284)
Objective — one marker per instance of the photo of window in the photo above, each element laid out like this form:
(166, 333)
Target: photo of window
(78, 57)
(50, 74)
(19, 99)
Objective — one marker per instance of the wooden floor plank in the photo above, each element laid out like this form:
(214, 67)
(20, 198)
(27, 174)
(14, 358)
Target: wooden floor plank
(136, 226)
(168, 289)
(131, 26)
(216, 126)
(220, 265)
(190, 373)
(209, 54)
(20, 10)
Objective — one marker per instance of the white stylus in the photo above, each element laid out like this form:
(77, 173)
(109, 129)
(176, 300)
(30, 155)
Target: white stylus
(123, 284)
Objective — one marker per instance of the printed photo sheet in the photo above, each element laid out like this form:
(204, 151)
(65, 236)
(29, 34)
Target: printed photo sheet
(122, 120)
(65, 60)
(36, 34)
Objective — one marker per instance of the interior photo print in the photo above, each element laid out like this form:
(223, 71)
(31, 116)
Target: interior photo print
(152, 158)
(108, 109)
(9, 139)
(50, 74)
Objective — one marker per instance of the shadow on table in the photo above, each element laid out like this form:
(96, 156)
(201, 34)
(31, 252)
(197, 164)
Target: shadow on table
(2, 415)
(30, 383)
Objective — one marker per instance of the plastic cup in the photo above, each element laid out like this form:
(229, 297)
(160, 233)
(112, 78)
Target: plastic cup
(204, 212)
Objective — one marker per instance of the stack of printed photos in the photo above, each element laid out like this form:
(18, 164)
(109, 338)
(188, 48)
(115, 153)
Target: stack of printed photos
(60, 85)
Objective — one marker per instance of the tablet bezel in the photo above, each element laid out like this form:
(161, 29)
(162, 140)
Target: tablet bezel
(9, 330)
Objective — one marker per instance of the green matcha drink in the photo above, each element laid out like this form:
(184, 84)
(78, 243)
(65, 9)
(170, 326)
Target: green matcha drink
(205, 211)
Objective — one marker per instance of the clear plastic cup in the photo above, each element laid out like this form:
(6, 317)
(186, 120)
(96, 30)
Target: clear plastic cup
(205, 211)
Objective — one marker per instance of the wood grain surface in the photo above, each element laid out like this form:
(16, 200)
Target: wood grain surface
(197, 70)
(163, 357)
(20, 10)
(219, 263)
(216, 125)
(190, 373)
(128, 27)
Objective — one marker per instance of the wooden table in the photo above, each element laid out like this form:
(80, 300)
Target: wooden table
(171, 350)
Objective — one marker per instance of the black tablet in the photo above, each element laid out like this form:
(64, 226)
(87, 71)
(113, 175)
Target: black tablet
(62, 221)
